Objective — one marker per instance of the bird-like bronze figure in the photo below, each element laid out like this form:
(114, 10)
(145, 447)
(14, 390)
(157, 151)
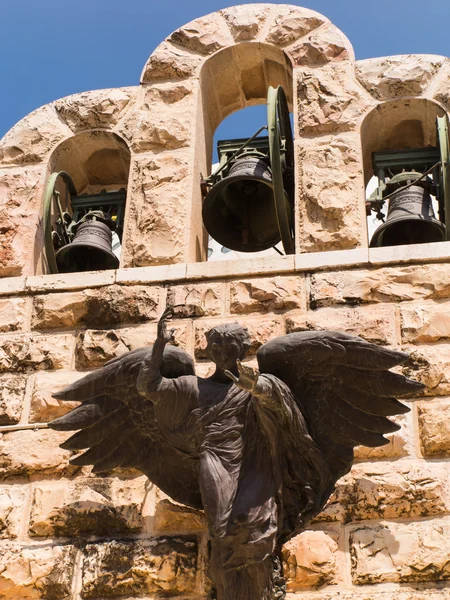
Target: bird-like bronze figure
(258, 451)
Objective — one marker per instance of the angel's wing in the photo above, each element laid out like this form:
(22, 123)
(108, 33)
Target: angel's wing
(118, 429)
(343, 387)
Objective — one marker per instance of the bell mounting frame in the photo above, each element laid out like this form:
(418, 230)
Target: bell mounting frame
(51, 198)
(281, 150)
(444, 148)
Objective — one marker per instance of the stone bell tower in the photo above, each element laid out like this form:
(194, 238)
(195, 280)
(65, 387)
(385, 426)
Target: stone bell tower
(67, 534)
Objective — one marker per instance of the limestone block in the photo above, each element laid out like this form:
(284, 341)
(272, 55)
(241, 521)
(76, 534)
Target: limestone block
(25, 352)
(94, 109)
(157, 215)
(260, 331)
(95, 347)
(415, 282)
(395, 76)
(88, 506)
(331, 202)
(292, 23)
(375, 324)
(401, 552)
(398, 443)
(33, 138)
(172, 518)
(19, 207)
(246, 20)
(170, 62)
(36, 572)
(389, 491)
(321, 47)
(196, 300)
(428, 322)
(434, 428)
(30, 452)
(162, 119)
(12, 500)
(203, 36)
(431, 366)
(262, 295)
(44, 408)
(329, 99)
(310, 560)
(144, 567)
(13, 312)
(12, 394)
(398, 593)
(98, 307)
(442, 91)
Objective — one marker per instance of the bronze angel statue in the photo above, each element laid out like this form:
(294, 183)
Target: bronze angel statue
(258, 450)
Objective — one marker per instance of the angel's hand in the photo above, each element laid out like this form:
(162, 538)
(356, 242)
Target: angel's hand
(247, 379)
(164, 335)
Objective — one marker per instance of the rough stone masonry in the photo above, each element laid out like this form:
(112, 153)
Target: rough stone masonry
(67, 535)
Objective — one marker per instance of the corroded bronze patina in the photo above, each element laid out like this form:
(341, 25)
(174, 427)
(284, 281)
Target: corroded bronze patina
(259, 450)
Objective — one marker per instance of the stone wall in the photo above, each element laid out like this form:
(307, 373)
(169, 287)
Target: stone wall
(66, 534)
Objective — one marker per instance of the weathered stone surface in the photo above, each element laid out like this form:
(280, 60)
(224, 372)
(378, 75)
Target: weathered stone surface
(398, 443)
(112, 305)
(32, 138)
(310, 560)
(94, 109)
(95, 347)
(292, 23)
(196, 300)
(12, 394)
(157, 213)
(414, 282)
(13, 312)
(84, 507)
(19, 207)
(24, 353)
(442, 91)
(403, 593)
(44, 407)
(400, 552)
(428, 322)
(12, 500)
(434, 428)
(396, 76)
(323, 46)
(389, 491)
(36, 572)
(431, 366)
(330, 179)
(245, 21)
(162, 565)
(374, 324)
(260, 331)
(329, 100)
(203, 36)
(30, 452)
(171, 518)
(162, 121)
(262, 295)
(170, 62)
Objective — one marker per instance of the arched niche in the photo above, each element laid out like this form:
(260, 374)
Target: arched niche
(234, 78)
(96, 161)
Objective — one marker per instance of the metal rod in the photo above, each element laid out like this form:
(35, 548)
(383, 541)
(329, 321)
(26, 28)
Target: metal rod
(240, 149)
(23, 427)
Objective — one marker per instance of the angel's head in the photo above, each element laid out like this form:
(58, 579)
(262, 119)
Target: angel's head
(227, 344)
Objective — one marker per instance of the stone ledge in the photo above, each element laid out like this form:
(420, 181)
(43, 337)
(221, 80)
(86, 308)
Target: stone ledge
(69, 281)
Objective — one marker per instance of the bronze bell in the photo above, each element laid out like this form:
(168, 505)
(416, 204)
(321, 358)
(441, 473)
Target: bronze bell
(410, 218)
(239, 211)
(90, 249)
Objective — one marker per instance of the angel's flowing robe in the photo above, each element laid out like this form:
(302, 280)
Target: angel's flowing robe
(261, 474)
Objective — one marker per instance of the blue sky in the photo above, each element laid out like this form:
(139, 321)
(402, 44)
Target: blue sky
(53, 48)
